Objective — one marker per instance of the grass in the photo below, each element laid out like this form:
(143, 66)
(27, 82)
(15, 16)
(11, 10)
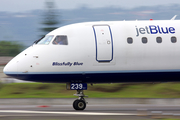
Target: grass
(47, 90)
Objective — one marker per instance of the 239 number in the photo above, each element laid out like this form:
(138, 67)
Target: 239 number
(78, 86)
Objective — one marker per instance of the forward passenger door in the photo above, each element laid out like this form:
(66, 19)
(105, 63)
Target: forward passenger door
(104, 43)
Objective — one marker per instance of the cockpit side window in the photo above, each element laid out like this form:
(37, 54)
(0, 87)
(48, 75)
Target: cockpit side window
(60, 40)
(45, 40)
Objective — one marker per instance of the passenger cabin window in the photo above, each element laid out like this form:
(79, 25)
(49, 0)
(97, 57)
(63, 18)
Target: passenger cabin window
(45, 40)
(144, 40)
(173, 39)
(129, 40)
(60, 40)
(159, 40)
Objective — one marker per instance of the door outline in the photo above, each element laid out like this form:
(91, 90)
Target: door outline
(97, 46)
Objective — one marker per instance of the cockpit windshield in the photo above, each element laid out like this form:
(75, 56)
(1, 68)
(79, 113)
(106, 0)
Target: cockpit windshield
(45, 40)
(60, 40)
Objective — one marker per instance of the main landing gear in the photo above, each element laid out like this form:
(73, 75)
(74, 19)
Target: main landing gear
(80, 103)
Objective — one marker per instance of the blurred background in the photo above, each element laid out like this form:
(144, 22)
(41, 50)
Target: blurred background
(22, 22)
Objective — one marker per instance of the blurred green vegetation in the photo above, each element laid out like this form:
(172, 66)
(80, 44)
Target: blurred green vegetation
(123, 90)
(9, 48)
(50, 18)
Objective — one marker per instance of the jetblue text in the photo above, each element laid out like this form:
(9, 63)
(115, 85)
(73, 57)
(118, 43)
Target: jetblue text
(152, 29)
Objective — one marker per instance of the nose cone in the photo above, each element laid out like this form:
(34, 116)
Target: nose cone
(11, 68)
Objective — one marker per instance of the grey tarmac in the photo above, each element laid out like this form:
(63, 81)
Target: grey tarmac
(95, 112)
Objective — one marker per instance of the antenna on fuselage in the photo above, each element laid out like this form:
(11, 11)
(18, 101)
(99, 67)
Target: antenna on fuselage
(174, 17)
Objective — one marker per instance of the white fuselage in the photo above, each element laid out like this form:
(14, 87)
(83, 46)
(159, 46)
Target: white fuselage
(104, 50)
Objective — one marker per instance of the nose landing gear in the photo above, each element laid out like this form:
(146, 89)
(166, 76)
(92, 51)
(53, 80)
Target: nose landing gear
(80, 103)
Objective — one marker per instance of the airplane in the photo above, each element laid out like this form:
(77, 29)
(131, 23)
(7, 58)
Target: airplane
(102, 52)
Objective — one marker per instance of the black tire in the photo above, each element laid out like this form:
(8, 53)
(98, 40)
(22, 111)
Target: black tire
(75, 103)
(79, 105)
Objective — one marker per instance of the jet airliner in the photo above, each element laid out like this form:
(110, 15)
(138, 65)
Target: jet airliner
(102, 52)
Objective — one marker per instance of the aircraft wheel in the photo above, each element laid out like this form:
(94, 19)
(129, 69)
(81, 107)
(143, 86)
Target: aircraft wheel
(74, 104)
(79, 105)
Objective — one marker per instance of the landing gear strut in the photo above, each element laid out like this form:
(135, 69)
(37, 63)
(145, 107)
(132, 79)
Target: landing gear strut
(80, 103)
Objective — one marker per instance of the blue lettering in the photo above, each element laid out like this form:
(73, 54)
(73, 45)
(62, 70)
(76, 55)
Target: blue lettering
(137, 32)
(153, 29)
(172, 30)
(165, 32)
(54, 63)
(76, 63)
(159, 29)
(66, 64)
(142, 30)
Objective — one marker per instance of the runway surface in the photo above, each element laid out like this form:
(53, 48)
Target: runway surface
(95, 112)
